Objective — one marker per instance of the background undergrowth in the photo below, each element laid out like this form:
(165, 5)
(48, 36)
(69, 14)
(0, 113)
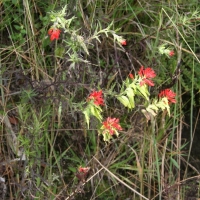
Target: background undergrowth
(44, 87)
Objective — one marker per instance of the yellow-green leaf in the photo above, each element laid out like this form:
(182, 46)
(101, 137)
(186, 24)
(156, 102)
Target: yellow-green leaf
(124, 100)
(130, 95)
(86, 112)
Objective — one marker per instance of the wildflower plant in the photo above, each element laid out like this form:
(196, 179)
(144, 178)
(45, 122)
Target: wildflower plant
(109, 128)
(60, 22)
(135, 86)
(76, 41)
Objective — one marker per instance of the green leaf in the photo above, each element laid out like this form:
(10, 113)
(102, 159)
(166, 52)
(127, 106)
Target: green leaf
(124, 100)
(163, 104)
(14, 2)
(86, 112)
(96, 112)
(152, 107)
(107, 137)
(59, 52)
(175, 163)
(73, 169)
(133, 86)
(144, 91)
(17, 27)
(130, 94)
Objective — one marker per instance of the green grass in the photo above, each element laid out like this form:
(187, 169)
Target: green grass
(49, 128)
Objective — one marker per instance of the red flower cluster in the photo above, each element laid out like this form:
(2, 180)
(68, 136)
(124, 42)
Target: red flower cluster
(54, 33)
(171, 53)
(146, 74)
(123, 42)
(169, 94)
(97, 97)
(111, 125)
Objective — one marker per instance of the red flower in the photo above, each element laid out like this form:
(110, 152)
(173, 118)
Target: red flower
(123, 42)
(131, 76)
(171, 53)
(169, 94)
(97, 97)
(54, 33)
(111, 125)
(146, 74)
(83, 169)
